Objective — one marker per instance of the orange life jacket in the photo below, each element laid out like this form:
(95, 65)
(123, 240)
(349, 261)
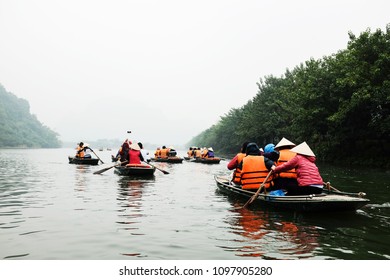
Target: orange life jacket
(237, 172)
(80, 152)
(198, 154)
(254, 172)
(164, 153)
(284, 156)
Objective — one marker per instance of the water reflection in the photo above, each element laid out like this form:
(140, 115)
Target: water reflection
(130, 192)
(270, 234)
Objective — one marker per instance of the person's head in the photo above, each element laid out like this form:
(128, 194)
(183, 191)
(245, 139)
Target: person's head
(244, 145)
(81, 144)
(252, 149)
(140, 145)
(164, 147)
(269, 148)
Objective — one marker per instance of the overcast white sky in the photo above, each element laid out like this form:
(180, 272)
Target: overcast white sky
(165, 69)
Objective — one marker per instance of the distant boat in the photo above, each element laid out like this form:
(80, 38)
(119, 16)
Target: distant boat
(174, 159)
(86, 161)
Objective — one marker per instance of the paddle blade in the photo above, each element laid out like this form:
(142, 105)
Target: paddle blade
(102, 170)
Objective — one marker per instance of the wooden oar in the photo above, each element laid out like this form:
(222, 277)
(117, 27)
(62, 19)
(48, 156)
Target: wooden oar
(162, 170)
(96, 155)
(258, 191)
(108, 168)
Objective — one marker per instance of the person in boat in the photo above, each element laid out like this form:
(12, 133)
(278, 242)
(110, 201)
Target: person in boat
(287, 178)
(157, 152)
(197, 153)
(124, 150)
(190, 152)
(270, 152)
(171, 152)
(145, 153)
(135, 155)
(81, 150)
(308, 175)
(204, 152)
(255, 168)
(163, 152)
(209, 153)
(235, 163)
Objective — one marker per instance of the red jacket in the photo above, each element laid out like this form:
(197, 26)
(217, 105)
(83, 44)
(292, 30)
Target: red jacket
(135, 157)
(307, 171)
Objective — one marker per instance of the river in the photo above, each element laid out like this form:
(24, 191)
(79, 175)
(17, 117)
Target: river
(53, 210)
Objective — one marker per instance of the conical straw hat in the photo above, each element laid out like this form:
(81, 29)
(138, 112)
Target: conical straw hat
(303, 149)
(284, 142)
(135, 146)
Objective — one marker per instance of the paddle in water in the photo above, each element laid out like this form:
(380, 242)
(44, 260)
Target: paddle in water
(258, 191)
(162, 170)
(108, 168)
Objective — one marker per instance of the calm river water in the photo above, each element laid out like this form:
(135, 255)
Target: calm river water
(50, 209)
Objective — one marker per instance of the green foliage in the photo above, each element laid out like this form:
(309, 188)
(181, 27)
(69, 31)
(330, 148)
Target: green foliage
(18, 128)
(339, 104)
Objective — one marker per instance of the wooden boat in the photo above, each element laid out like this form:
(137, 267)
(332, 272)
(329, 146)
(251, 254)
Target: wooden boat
(136, 170)
(86, 161)
(328, 201)
(169, 159)
(214, 160)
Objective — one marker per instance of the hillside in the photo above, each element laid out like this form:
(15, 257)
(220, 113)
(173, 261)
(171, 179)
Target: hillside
(19, 128)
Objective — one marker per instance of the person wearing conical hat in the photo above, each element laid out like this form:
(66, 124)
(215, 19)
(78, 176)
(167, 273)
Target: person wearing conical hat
(209, 153)
(286, 178)
(308, 175)
(135, 156)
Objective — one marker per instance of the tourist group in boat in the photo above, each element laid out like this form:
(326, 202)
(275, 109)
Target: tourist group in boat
(282, 166)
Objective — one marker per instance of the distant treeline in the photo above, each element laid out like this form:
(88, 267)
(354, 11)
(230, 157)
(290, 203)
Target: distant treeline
(339, 105)
(18, 128)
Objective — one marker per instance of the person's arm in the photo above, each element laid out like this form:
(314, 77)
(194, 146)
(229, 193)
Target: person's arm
(286, 166)
(141, 156)
(268, 163)
(233, 163)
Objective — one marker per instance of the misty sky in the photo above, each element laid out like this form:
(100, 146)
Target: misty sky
(165, 69)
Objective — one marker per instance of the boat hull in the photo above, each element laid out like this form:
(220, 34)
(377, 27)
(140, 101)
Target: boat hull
(136, 171)
(169, 159)
(328, 201)
(85, 161)
(215, 160)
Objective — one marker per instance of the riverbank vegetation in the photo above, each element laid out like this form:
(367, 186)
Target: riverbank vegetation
(19, 128)
(339, 105)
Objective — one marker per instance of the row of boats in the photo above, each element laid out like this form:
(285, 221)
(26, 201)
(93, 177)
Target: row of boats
(330, 200)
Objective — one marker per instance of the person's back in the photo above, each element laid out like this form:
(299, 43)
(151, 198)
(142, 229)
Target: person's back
(308, 176)
(135, 156)
(254, 168)
(198, 153)
(210, 153)
(80, 150)
(164, 152)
